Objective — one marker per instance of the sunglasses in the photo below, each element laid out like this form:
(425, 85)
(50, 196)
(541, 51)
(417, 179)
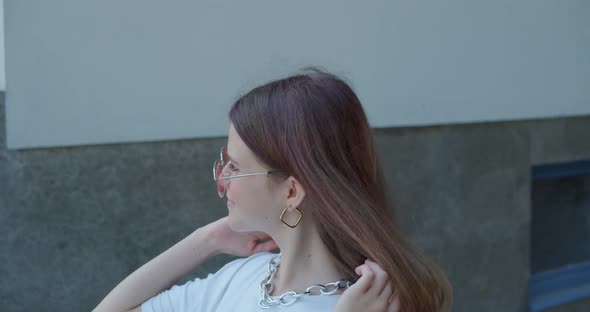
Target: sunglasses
(222, 178)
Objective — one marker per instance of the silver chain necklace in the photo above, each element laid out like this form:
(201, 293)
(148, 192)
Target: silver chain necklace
(288, 298)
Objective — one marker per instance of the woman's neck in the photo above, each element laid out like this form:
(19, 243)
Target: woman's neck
(305, 261)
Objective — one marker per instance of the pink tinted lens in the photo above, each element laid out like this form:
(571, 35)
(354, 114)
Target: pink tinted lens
(224, 156)
(220, 183)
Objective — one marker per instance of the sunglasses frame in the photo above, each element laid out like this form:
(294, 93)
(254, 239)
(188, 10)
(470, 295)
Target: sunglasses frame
(228, 177)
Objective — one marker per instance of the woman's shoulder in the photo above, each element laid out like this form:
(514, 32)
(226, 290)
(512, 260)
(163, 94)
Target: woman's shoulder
(249, 269)
(206, 293)
(255, 261)
(262, 256)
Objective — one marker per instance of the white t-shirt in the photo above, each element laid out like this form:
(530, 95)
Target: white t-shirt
(235, 287)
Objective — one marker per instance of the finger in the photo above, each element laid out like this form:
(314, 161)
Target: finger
(260, 235)
(366, 279)
(381, 278)
(395, 305)
(266, 246)
(387, 292)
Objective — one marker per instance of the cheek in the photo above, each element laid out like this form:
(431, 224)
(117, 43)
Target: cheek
(233, 191)
(240, 191)
(249, 195)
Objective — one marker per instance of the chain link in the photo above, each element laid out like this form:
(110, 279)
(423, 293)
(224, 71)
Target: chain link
(289, 297)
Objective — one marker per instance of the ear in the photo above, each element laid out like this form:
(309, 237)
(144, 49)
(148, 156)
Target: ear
(295, 192)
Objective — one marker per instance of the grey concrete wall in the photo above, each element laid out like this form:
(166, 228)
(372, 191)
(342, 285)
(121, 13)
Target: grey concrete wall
(75, 221)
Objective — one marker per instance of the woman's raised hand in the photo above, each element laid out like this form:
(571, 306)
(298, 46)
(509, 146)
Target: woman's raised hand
(227, 241)
(373, 292)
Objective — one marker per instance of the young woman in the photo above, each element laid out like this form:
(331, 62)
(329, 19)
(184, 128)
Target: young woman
(301, 173)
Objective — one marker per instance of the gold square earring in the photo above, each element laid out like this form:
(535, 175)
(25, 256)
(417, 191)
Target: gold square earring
(300, 216)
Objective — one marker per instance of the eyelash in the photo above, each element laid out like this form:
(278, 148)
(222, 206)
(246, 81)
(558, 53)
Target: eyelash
(232, 168)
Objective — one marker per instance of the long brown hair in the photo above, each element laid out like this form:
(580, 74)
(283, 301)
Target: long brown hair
(312, 126)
